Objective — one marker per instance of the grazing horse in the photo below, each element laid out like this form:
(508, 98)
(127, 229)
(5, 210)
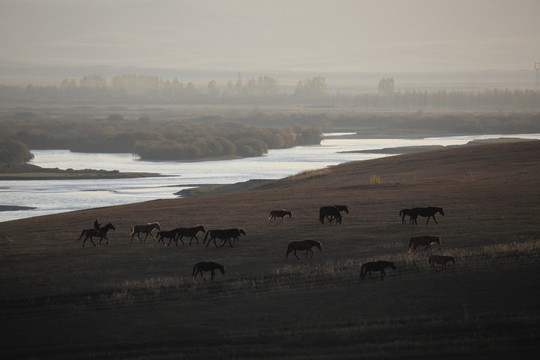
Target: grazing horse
(303, 245)
(331, 213)
(407, 212)
(167, 234)
(368, 267)
(279, 214)
(342, 208)
(428, 212)
(145, 229)
(426, 241)
(102, 233)
(191, 232)
(199, 267)
(223, 235)
(441, 259)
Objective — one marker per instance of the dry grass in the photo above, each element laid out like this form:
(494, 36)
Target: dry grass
(139, 301)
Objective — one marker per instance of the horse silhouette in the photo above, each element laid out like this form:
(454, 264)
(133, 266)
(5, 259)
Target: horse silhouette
(330, 213)
(304, 245)
(368, 267)
(441, 260)
(428, 212)
(426, 241)
(224, 235)
(102, 233)
(191, 232)
(145, 229)
(167, 234)
(407, 212)
(199, 267)
(279, 214)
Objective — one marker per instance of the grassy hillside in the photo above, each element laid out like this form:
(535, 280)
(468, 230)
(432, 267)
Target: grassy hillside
(138, 300)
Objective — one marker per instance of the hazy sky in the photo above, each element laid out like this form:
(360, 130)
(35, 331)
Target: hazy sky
(242, 35)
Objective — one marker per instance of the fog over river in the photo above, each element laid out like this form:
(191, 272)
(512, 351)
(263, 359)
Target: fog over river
(56, 196)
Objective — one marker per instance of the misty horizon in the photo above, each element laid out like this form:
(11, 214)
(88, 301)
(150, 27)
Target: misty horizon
(277, 37)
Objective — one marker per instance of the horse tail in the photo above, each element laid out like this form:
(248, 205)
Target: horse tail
(194, 270)
(206, 236)
(321, 215)
(362, 271)
(410, 245)
(400, 212)
(132, 230)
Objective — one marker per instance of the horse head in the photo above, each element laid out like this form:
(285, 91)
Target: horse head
(109, 226)
(391, 264)
(242, 232)
(318, 244)
(441, 211)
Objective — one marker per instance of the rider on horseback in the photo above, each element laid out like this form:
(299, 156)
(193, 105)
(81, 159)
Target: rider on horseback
(97, 227)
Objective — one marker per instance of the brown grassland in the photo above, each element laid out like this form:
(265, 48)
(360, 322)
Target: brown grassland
(133, 300)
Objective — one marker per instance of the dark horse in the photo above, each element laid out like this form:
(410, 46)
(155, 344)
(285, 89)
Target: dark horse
(199, 267)
(167, 234)
(368, 267)
(428, 212)
(223, 235)
(426, 241)
(145, 229)
(441, 260)
(331, 213)
(304, 245)
(102, 233)
(191, 232)
(407, 212)
(279, 214)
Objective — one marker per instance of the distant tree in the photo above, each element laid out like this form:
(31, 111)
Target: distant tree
(12, 151)
(386, 86)
(94, 81)
(213, 90)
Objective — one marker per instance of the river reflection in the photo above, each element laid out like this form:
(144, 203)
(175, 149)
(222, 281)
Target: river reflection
(54, 196)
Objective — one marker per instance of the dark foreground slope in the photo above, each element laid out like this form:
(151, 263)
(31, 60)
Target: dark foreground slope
(138, 300)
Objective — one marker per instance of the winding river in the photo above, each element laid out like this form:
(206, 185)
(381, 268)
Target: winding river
(56, 196)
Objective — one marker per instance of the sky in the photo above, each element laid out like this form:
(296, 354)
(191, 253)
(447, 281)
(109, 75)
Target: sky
(274, 35)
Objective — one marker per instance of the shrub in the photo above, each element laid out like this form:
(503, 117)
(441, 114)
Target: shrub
(12, 151)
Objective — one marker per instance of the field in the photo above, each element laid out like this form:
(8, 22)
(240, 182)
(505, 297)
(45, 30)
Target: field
(138, 300)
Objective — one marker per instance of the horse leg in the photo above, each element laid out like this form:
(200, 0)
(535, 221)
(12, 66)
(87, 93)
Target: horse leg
(383, 274)
(213, 274)
(435, 219)
(296, 255)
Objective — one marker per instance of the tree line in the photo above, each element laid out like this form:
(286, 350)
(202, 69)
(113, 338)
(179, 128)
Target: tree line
(155, 140)
(145, 89)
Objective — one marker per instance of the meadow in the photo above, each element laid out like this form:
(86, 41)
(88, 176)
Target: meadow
(139, 300)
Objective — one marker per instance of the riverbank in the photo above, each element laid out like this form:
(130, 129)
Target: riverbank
(33, 172)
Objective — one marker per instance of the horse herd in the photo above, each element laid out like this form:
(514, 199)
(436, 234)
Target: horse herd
(329, 213)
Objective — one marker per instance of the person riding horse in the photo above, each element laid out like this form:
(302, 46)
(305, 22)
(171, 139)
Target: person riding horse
(97, 227)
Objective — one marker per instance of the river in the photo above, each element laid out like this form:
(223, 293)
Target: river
(56, 196)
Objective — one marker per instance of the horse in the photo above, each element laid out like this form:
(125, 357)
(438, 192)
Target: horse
(407, 212)
(167, 234)
(223, 235)
(191, 232)
(102, 233)
(342, 208)
(199, 267)
(303, 245)
(279, 214)
(428, 212)
(145, 229)
(376, 266)
(441, 259)
(426, 241)
(331, 213)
